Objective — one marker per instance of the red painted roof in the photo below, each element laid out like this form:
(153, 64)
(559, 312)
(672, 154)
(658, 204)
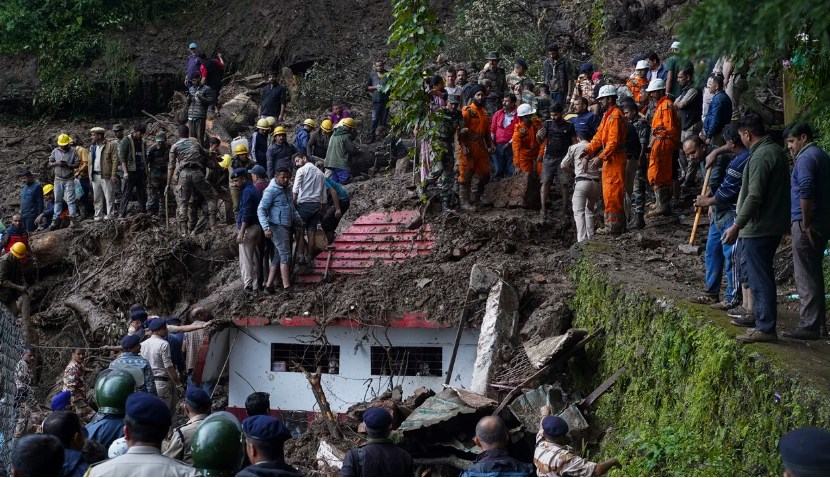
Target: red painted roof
(414, 320)
(372, 238)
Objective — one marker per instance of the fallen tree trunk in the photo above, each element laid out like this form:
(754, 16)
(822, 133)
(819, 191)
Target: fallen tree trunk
(84, 307)
(50, 248)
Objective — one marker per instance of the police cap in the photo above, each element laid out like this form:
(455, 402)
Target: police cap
(265, 428)
(148, 409)
(377, 418)
(806, 452)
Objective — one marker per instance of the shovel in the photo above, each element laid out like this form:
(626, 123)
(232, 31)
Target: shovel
(691, 248)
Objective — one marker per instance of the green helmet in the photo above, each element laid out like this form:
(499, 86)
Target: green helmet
(216, 446)
(112, 390)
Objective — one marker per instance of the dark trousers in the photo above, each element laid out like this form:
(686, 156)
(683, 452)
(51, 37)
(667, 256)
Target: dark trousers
(380, 116)
(809, 280)
(29, 223)
(330, 222)
(85, 201)
(757, 254)
(135, 183)
(197, 129)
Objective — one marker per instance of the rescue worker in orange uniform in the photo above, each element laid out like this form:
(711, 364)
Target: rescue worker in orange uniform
(474, 149)
(638, 84)
(665, 132)
(610, 139)
(526, 148)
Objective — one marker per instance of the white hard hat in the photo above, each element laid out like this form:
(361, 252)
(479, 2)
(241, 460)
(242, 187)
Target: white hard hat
(656, 84)
(117, 448)
(675, 45)
(525, 110)
(607, 90)
(642, 65)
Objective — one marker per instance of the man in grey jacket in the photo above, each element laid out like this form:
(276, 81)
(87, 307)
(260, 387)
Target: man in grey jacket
(63, 160)
(201, 97)
(277, 216)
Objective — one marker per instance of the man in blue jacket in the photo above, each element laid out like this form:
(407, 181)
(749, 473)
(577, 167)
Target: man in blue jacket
(249, 233)
(31, 200)
(277, 217)
(719, 114)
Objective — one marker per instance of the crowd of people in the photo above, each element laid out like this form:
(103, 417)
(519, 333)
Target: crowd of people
(658, 133)
(600, 139)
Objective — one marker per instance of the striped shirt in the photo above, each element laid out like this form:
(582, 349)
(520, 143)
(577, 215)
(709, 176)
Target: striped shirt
(558, 460)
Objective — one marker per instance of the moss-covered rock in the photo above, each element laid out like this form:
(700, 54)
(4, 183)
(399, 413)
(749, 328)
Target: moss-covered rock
(692, 400)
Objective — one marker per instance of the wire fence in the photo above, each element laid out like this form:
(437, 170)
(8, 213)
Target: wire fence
(11, 348)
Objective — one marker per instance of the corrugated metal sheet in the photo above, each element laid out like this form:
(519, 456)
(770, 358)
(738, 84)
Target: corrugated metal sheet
(378, 237)
(445, 406)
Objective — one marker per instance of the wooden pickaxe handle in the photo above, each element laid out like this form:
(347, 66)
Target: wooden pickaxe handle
(700, 209)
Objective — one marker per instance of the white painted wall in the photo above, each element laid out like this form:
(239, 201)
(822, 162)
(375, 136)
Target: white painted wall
(291, 391)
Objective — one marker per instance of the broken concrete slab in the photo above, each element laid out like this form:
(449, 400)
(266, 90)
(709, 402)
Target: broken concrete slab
(552, 318)
(546, 350)
(521, 190)
(482, 279)
(500, 320)
(328, 457)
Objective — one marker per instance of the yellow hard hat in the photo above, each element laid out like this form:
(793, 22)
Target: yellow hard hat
(326, 126)
(240, 148)
(347, 122)
(263, 124)
(279, 130)
(226, 158)
(310, 122)
(271, 121)
(48, 189)
(64, 139)
(18, 250)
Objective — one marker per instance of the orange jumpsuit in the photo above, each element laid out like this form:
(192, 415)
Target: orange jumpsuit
(526, 148)
(476, 161)
(637, 86)
(665, 129)
(610, 138)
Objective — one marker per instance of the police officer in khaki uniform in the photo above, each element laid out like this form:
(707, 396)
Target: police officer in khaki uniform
(145, 426)
(553, 457)
(197, 407)
(157, 351)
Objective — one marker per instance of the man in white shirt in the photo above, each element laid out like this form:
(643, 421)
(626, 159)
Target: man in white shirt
(156, 350)
(309, 198)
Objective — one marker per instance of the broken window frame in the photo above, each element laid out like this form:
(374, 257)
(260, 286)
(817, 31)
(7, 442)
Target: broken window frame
(407, 361)
(311, 357)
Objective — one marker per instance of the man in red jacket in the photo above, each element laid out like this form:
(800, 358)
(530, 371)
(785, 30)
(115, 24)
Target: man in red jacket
(501, 131)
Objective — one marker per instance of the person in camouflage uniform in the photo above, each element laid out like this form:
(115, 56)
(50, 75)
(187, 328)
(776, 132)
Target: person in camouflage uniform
(24, 402)
(187, 162)
(73, 381)
(584, 87)
(497, 79)
(443, 168)
(157, 175)
(636, 148)
(516, 78)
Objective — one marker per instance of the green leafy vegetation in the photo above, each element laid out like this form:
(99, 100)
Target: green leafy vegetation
(515, 28)
(692, 400)
(416, 38)
(68, 36)
(764, 35)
